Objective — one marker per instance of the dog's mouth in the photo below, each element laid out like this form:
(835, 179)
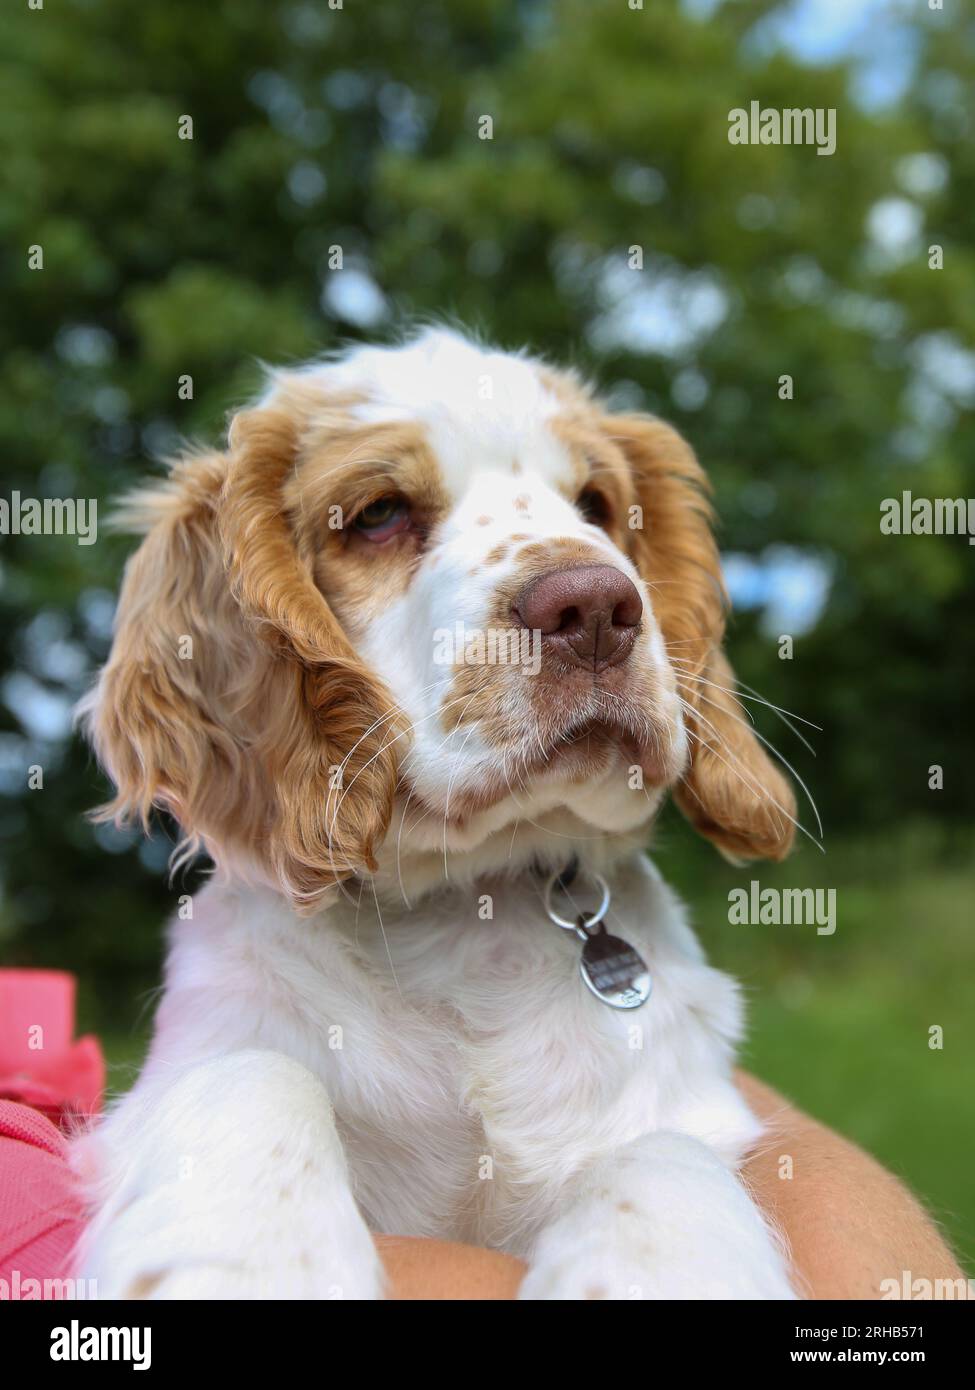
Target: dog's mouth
(641, 748)
(639, 742)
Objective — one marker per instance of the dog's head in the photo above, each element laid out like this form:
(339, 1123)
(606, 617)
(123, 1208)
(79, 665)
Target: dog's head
(435, 583)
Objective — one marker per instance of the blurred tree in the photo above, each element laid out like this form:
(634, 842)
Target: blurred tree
(169, 259)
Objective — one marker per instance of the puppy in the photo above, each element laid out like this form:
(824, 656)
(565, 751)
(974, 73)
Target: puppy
(415, 661)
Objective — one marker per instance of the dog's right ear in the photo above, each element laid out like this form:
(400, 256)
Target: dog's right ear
(231, 696)
(731, 792)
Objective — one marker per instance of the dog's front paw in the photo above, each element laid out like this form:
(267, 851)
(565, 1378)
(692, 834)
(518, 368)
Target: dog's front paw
(273, 1254)
(575, 1264)
(352, 1280)
(615, 1274)
(594, 1273)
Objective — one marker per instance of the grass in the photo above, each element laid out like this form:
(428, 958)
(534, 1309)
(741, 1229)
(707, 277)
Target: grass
(840, 1023)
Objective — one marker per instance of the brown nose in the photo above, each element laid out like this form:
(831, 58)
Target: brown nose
(588, 615)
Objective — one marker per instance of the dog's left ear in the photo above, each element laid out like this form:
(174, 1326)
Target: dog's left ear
(731, 792)
(232, 697)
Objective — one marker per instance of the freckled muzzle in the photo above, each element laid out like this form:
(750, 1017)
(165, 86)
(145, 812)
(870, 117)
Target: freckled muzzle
(588, 615)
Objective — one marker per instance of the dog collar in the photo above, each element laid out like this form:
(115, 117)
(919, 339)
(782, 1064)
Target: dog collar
(615, 973)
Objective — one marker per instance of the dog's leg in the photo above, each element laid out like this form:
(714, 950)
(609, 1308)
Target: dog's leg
(664, 1217)
(227, 1180)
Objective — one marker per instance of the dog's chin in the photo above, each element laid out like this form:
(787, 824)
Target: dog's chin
(599, 746)
(607, 776)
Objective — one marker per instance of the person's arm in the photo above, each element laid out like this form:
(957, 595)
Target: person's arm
(849, 1223)
(419, 1268)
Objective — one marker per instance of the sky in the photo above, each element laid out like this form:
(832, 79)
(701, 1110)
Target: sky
(820, 31)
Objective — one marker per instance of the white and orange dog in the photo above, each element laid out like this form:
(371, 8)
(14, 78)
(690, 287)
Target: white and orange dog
(371, 1021)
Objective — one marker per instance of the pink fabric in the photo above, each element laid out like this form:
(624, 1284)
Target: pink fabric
(39, 1064)
(41, 1214)
(46, 1079)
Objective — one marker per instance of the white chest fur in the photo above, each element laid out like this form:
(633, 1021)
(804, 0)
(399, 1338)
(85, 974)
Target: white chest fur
(471, 1072)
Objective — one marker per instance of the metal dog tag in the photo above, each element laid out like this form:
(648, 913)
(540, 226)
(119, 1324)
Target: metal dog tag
(611, 968)
(615, 973)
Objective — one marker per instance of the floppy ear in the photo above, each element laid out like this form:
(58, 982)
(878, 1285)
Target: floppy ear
(731, 791)
(231, 696)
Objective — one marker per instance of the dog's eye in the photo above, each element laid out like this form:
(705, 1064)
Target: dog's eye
(383, 518)
(593, 507)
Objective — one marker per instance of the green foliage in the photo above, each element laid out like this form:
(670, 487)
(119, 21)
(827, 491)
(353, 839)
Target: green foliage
(315, 128)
